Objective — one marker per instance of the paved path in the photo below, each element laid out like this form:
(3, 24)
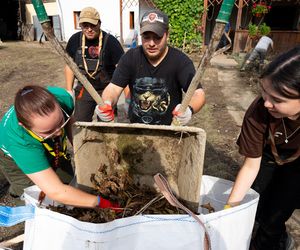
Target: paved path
(240, 98)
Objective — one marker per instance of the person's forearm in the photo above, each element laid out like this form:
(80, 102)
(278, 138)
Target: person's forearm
(69, 78)
(72, 196)
(112, 93)
(48, 181)
(198, 100)
(244, 180)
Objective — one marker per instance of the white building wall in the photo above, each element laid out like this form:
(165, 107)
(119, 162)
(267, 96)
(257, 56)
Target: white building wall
(128, 33)
(139, 8)
(109, 11)
(143, 7)
(51, 9)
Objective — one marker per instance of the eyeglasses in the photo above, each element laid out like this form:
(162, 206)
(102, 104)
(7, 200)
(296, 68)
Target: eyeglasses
(86, 26)
(56, 130)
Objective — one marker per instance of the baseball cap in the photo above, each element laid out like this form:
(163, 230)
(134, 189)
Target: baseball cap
(155, 21)
(89, 15)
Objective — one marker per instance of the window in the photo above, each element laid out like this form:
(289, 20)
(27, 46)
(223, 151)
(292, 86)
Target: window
(131, 20)
(76, 19)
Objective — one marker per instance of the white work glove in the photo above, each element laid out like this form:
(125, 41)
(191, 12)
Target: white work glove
(72, 93)
(182, 118)
(105, 112)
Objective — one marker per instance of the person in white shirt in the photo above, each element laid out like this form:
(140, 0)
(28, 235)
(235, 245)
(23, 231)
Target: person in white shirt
(260, 51)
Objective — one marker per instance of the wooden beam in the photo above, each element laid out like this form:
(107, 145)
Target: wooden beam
(13, 241)
(121, 23)
(239, 15)
(237, 27)
(204, 16)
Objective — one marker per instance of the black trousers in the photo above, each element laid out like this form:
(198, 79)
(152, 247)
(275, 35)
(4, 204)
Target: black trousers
(84, 104)
(279, 189)
(84, 110)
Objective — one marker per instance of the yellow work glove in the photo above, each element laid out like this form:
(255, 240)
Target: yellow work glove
(233, 204)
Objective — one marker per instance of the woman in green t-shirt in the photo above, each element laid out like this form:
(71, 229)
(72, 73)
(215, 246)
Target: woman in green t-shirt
(33, 146)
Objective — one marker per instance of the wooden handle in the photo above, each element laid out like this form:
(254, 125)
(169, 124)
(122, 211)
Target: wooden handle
(47, 28)
(221, 21)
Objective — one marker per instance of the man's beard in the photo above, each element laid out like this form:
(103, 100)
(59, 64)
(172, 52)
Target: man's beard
(156, 56)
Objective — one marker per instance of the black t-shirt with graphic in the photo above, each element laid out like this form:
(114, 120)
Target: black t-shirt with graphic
(111, 55)
(155, 91)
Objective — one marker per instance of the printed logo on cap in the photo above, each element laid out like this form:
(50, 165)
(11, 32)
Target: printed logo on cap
(153, 17)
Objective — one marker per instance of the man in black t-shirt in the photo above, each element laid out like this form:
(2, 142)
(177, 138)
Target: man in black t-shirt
(96, 53)
(156, 75)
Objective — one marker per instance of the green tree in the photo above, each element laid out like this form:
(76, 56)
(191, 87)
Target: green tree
(185, 21)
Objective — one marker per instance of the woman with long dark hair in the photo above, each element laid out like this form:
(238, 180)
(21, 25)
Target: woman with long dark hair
(270, 142)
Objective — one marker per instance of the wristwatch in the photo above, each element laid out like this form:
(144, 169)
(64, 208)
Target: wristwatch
(191, 108)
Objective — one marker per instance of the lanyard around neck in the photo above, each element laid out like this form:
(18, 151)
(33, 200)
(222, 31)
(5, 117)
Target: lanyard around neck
(51, 150)
(83, 55)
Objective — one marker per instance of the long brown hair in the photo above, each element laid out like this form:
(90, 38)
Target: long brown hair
(33, 100)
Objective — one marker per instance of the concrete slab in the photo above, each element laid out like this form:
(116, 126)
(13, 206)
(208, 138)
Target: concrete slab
(223, 61)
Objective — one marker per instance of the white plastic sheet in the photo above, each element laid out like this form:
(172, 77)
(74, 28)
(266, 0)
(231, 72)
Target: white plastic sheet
(228, 229)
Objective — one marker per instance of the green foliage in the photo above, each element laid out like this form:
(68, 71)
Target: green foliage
(264, 29)
(252, 30)
(261, 30)
(185, 21)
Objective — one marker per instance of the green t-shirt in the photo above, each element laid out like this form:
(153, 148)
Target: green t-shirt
(29, 154)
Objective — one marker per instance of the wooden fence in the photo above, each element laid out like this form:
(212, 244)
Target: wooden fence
(283, 40)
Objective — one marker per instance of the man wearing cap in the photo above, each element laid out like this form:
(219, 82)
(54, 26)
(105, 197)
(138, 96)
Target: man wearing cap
(96, 53)
(156, 74)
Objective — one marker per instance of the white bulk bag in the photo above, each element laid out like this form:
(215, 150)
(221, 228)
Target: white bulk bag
(228, 229)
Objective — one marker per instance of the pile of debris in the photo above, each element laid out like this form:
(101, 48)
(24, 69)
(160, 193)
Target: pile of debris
(114, 183)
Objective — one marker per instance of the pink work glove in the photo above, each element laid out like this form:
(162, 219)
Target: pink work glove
(105, 112)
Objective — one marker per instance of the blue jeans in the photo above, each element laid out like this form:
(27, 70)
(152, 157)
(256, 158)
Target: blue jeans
(258, 53)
